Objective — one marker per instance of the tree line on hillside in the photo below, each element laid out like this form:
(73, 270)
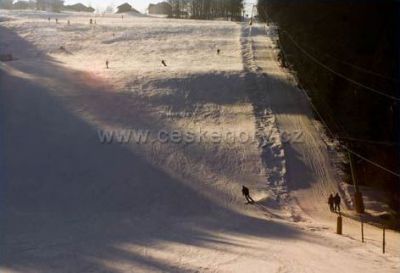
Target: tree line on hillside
(358, 40)
(50, 5)
(206, 9)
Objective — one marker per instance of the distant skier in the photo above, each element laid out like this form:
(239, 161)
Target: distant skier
(218, 51)
(164, 63)
(49, 19)
(337, 202)
(246, 193)
(56, 21)
(90, 21)
(107, 64)
(331, 202)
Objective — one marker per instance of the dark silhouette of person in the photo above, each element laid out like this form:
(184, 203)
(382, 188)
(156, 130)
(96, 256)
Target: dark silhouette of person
(337, 202)
(163, 62)
(246, 193)
(107, 63)
(218, 51)
(56, 21)
(48, 19)
(331, 202)
(90, 21)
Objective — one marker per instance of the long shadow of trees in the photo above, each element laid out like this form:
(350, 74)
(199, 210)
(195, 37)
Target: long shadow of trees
(71, 202)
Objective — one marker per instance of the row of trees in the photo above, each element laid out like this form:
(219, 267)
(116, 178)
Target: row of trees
(6, 4)
(51, 5)
(207, 9)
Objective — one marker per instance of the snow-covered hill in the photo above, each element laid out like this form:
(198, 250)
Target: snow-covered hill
(166, 203)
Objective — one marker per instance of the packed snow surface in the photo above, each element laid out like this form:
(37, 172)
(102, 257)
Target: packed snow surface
(73, 200)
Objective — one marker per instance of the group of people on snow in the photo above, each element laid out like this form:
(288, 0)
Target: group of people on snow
(334, 202)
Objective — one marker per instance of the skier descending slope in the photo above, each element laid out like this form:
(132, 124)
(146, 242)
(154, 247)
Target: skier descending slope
(246, 193)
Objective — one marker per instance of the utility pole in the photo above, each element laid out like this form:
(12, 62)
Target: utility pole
(383, 241)
(251, 17)
(339, 223)
(362, 229)
(358, 200)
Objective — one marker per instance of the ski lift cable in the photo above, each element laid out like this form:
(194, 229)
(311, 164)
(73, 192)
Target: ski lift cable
(371, 141)
(346, 135)
(371, 162)
(362, 69)
(344, 146)
(337, 73)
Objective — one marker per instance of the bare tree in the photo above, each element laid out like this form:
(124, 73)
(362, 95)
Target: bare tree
(6, 4)
(207, 9)
(53, 5)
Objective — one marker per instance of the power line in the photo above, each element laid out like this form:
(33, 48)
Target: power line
(344, 146)
(371, 141)
(371, 162)
(325, 123)
(342, 128)
(337, 73)
(356, 67)
(362, 69)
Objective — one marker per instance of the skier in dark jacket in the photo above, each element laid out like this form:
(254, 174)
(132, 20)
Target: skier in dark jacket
(331, 202)
(246, 193)
(337, 202)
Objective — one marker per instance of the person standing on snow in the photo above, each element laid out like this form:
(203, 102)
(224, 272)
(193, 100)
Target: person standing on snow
(330, 202)
(246, 193)
(337, 202)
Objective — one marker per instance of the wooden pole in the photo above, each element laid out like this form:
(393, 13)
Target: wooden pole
(339, 224)
(362, 230)
(383, 241)
(353, 177)
(358, 201)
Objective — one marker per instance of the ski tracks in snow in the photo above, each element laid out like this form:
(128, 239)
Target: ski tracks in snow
(267, 132)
